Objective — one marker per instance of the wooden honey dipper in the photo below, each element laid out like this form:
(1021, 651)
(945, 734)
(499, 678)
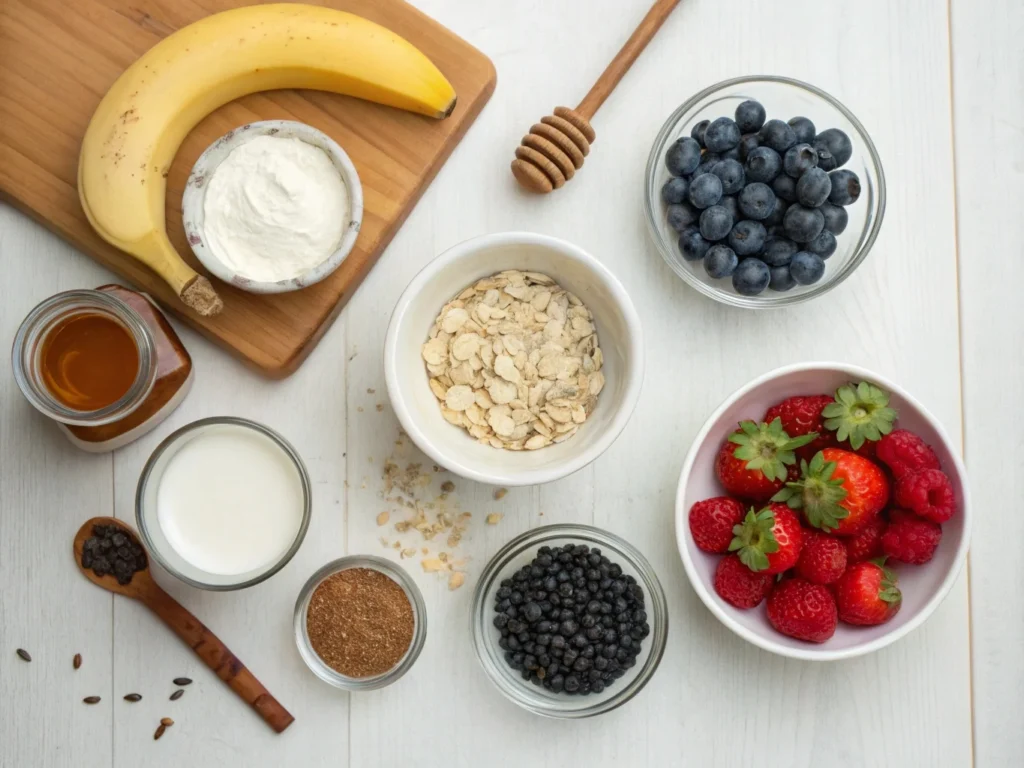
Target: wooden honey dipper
(553, 150)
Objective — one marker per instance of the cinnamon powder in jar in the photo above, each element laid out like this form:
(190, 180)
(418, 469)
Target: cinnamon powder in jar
(360, 622)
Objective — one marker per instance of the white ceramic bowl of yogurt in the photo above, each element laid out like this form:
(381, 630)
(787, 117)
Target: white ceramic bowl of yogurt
(273, 206)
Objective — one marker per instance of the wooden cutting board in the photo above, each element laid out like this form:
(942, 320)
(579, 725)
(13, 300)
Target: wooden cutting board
(58, 58)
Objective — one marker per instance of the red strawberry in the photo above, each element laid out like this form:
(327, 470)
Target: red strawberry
(753, 461)
(865, 543)
(867, 594)
(822, 558)
(904, 452)
(801, 415)
(910, 539)
(738, 585)
(806, 611)
(840, 492)
(768, 541)
(859, 414)
(712, 521)
(927, 493)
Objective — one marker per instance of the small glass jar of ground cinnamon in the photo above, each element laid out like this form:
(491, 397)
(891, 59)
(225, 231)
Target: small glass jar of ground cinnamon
(105, 365)
(360, 623)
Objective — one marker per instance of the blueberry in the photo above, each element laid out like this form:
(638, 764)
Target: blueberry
(747, 237)
(784, 187)
(777, 135)
(748, 143)
(731, 174)
(679, 218)
(763, 164)
(705, 190)
(845, 187)
(732, 154)
(837, 143)
(683, 157)
(781, 279)
(803, 224)
(532, 612)
(750, 116)
(803, 128)
(691, 245)
(751, 277)
(715, 223)
(824, 244)
(756, 201)
(825, 160)
(697, 132)
(720, 261)
(814, 187)
(674, 190)
(836, 218)
(778, 213)
(707, 161)
(778, 251)
(807, 268)
(729, 203)
(721, 135)
(798, 159)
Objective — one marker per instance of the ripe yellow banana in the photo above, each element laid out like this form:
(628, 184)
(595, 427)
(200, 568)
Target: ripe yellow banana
(146, 114)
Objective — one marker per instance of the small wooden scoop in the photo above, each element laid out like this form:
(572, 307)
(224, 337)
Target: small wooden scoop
(201, 640)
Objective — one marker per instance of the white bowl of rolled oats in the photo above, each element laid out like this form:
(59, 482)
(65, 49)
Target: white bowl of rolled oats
(514, 359)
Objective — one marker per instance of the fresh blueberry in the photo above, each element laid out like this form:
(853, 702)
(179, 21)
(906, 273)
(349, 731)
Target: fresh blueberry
(784, 187)
(715, 223)
(731, 173)
(825, 160)
(837, 143)
(748, 143)
(674, 190)
(729, 203)
(777, 135)
(781, 279)
(803, 224)
(681, 216)
(778, 213)
(824, 244)
(747, 237)
(751, 277)
(763, 164)
(836, 218)
(799, 159)
(807, 268)
(705, 190)
(732, 154)
(683, 157)
(720, 261)
(707, 161)
(756, 201)
(778, 251)
(803, 128)
(845, 187)
(721, 135)
(750, 116)
(692, 245)
(697, 132)
(813, 188)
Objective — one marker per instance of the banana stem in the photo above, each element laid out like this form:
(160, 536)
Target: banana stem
(192, 288)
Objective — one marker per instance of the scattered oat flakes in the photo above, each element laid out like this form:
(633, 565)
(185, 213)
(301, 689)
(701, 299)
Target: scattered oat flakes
(383, 517)
(447, 486)
(371, 391)
(500, 493)
(432, 565)
(410, 552)
(456, 580)
(380, 407)
(494, 518)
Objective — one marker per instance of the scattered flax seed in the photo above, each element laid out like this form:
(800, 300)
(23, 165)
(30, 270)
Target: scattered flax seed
(177, 694)
(456, 580)
(447, 486)
(166, 721)
(91, 699)
(182, 681)
(133, 697)
(77, 661)
(494, 518)
(383, 517)
(159, 731)
(500, 493)
(23, 654)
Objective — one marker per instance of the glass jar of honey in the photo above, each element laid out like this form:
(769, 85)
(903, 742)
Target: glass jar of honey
(105, 365)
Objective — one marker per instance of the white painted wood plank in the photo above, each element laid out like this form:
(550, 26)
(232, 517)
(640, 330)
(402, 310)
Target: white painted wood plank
(988, 78)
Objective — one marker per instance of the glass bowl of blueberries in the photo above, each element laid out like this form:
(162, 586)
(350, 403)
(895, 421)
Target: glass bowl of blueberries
(569, 621)
(764, 192)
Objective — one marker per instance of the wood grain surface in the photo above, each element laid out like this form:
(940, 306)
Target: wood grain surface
(57, 59)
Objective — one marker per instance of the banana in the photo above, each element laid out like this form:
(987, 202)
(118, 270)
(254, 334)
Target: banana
(140, 123)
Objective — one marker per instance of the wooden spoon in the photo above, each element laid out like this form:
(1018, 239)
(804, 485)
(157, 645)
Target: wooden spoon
(207, 645)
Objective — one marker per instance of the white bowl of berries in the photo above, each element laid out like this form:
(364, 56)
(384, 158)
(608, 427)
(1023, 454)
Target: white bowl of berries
(822, 512)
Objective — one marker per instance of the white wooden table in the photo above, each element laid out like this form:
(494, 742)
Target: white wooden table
(937, 307)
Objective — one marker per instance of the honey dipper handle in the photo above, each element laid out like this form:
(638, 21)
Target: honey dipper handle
(217, 657)
(624, 58)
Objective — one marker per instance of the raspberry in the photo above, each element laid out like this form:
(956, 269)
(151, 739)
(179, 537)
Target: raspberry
(905, 452)
(910, 539)
(738, 585)
(806, 611)
(927, 493)
(866, 543)
(822, 559)
(712, 521)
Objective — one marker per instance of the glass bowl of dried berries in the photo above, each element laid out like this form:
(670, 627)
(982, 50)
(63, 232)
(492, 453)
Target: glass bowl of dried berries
(569, 621)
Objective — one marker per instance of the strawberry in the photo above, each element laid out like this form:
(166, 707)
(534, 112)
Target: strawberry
(865, 543)
(840, 492)
(904, 452)
(753, 461)
(806, 611)
(712, 521)
(867, 594)
(738, 585)
(822, 558)
(859, 413)
(927, 493)
(768, 541)
(910, 539)
(801, 415)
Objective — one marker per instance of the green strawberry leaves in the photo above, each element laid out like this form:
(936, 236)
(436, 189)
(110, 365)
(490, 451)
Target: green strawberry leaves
(754, 539)
(767, 447)
(860, 413)
(888, 591)
(817, 494)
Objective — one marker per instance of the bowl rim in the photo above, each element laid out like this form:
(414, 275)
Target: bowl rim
(816, 653)
(633, 375)
(194, 196)
(760, 301)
